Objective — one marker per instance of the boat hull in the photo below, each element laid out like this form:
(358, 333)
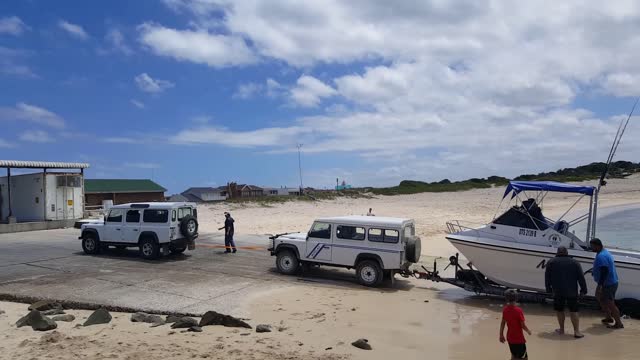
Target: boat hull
(522, 266)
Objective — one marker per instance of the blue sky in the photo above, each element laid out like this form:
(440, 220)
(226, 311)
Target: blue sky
(201, 92)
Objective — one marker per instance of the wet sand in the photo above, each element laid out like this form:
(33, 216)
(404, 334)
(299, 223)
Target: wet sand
(399, 324)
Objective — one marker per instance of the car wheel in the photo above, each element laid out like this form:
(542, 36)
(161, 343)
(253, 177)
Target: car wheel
(177, 249)
(369, 273)
(90, 244)
(414, 249)
(149, 249)
(287, 262)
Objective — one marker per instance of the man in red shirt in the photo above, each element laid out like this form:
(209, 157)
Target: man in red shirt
(513, 317)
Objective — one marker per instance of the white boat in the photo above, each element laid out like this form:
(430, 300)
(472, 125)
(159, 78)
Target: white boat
(513, 249)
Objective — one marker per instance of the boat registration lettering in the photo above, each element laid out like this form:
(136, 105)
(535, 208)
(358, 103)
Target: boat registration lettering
(527, 232)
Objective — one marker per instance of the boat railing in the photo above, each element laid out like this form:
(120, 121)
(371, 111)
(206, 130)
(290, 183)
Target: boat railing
(455, 226)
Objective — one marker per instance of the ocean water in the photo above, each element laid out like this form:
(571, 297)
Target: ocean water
(620, 227)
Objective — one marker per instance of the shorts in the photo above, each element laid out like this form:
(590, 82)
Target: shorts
(609, 292)
(559, 303)
(519, 351)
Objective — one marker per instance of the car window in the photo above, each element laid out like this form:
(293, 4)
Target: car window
(133, 216)
(194, 212)
(391, 236)
(115, 215)
(409, 230)
(182, 212)
(350, 232)
(320, 230)
(156, 216)
(376, 235)
(173, 215)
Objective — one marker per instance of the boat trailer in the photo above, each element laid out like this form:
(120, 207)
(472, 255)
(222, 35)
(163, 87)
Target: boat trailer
(473, 280)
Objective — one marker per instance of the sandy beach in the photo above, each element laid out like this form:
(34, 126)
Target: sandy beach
(313, 319)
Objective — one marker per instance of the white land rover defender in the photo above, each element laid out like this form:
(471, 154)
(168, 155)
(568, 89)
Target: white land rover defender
(377, 247)
(155, 228)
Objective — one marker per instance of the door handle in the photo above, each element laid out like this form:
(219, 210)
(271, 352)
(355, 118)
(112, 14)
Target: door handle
(135, 229)
(117, 229)
(493, 227)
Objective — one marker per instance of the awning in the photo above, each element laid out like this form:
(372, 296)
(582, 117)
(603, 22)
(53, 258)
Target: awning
(517, 186)
(19, 164)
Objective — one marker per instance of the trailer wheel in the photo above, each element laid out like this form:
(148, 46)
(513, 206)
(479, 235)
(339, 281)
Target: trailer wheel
(369, 273)
(90, 244)
(287, 262)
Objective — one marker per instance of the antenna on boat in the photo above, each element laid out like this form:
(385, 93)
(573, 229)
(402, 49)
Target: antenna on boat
(614, 146)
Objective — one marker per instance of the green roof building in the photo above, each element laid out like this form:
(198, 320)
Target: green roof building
(121, 191)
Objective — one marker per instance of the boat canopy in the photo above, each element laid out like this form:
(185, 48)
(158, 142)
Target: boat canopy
(518, 186)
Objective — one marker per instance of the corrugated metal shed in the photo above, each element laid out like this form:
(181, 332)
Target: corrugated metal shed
(92, 186)
(19, 164)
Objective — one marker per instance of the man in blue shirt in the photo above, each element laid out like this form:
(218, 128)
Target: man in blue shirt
(604, 274)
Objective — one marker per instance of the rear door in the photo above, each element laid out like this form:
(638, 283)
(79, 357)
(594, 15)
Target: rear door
(131, 226)
(319, 243)
(113, 226)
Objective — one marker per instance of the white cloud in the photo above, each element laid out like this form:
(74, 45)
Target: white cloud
(12, 25)
(247, 90)
(74, 30)
(271, 88)
(148, 84)
(33, 114)
(117, 43)
(310, 91)
(622, 84)
(138, 104)
(121, 140)
(243, 139)
(37, 136)
(5, 144)
(12, 63)
(199, 46)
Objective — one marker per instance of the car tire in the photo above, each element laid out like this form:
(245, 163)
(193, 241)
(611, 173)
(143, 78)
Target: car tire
(189, 227)
(369, 273)
(149, 248)
(177, 249)
(414, 249)
(90, 244)
(287, 262)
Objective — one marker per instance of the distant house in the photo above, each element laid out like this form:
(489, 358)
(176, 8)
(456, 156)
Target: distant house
(282, 191)
(250, 191)
(205, 194)
(121, 191)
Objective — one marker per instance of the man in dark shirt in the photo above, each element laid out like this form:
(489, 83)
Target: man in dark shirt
(229, 244)
(562, 276)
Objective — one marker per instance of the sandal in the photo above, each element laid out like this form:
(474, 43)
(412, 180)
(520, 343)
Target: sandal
(615, 326)
(578, 336)
(607, 321)
(558, 332)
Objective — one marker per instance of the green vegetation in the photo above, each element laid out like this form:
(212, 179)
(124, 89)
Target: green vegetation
(581, 173)
(592, 171)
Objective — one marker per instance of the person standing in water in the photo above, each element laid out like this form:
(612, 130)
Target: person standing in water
(228, 227)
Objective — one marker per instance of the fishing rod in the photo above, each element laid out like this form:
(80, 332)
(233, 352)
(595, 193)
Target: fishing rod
(614, 147)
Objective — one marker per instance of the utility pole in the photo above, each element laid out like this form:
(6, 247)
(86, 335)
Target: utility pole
(300, 168)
